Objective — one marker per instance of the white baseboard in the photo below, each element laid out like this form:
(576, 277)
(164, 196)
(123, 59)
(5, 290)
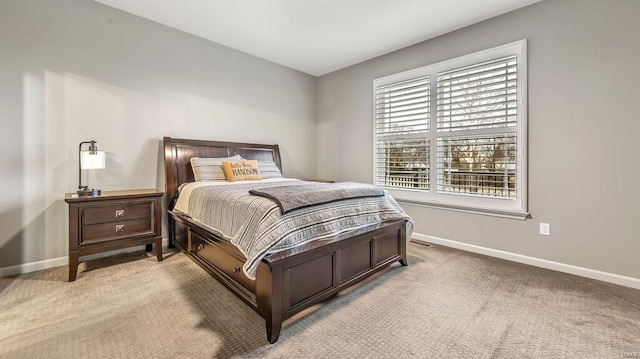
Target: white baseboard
(536, 262)
(63, 261)
(33, 266)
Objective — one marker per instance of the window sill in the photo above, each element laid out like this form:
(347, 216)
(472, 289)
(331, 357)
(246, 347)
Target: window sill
(482, 211)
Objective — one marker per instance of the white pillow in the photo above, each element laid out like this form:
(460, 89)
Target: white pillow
(210, 169)
(269, 169)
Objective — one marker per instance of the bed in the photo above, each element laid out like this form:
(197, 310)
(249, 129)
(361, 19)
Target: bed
(288, 281)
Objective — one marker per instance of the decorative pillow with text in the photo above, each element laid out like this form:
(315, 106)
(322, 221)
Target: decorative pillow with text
(241, 170)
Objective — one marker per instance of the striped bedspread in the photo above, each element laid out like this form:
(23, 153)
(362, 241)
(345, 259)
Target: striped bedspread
(255, 225)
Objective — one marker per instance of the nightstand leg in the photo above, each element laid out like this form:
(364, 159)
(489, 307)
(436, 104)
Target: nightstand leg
(158, 245)
(73, 265)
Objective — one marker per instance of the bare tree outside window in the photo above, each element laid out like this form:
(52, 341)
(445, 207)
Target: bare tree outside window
(473, 102)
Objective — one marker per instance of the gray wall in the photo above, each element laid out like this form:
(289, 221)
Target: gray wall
(78, 70)
(583, 131)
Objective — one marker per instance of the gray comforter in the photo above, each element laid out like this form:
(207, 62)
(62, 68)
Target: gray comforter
(301, 194)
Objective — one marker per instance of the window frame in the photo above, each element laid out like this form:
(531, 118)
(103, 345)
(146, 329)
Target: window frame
(504, 207)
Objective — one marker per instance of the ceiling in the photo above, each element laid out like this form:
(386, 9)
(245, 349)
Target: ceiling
(317, 36)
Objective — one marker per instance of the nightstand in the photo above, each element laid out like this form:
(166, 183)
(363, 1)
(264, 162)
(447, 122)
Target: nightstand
(113, 220)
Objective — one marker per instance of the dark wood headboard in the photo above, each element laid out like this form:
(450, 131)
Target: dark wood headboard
(178, 153)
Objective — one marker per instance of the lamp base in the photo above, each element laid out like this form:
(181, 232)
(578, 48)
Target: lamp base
(85, 192)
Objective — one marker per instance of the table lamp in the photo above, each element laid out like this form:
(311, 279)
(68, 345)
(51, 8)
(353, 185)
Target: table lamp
(89, 159)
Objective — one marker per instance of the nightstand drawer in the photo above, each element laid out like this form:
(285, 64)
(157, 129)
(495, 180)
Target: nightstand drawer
(115, 212)
(115, 230)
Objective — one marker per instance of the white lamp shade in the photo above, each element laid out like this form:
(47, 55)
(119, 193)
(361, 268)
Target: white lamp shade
(92, 160)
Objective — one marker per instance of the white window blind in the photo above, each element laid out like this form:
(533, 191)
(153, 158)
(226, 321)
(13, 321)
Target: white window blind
(402, 120)
(462, 145)
(478, 103)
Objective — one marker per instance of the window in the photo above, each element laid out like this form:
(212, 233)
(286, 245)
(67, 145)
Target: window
(453, 134)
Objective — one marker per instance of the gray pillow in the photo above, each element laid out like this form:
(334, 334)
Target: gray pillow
(269, 169)
(210, 169)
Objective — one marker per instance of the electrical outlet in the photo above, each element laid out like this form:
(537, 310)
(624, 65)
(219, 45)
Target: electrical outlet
(545, 229)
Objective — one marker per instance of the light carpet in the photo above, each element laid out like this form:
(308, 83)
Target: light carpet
(446, 304)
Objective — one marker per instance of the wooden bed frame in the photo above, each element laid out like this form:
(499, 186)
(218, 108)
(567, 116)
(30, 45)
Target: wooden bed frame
(286, 282)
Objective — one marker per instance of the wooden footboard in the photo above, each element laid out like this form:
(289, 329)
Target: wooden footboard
(300, 280)
(291, 281)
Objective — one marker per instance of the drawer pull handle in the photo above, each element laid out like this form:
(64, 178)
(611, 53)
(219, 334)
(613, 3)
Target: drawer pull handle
(119, 228)
(236, 269)
(120, 213)
(200, 246)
